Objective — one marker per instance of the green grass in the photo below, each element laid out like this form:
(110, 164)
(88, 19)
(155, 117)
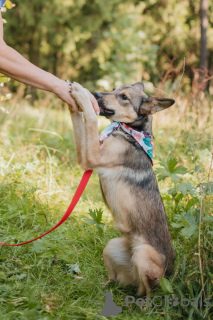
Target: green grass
(38, 177)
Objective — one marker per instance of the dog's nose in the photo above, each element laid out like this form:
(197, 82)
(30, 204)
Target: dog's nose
(97, 95)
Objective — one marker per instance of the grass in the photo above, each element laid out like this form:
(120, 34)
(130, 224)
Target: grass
(59, 276)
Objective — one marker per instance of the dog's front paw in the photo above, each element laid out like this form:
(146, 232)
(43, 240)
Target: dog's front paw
(81, 96)
(76, 87)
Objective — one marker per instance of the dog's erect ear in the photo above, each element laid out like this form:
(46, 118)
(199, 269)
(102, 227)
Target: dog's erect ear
(155, 104)
(139, 85)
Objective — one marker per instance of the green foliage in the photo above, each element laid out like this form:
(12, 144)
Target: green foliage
(169, 168)
(3, 78)
(207, 188)
(73, 269)
(186, 197)
(166, 285)
(9, 4)
(96, 220)
(101, 44)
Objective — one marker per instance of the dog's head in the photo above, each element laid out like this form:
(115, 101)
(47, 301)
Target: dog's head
(129, 104)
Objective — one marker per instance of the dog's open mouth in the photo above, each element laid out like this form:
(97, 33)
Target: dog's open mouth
(105, 111)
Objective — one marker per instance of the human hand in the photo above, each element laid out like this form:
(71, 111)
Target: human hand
(63, 91)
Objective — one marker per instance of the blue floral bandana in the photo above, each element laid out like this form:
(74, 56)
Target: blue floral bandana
(141, 137)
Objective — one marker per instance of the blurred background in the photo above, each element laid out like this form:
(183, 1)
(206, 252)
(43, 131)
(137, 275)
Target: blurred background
(106, 43)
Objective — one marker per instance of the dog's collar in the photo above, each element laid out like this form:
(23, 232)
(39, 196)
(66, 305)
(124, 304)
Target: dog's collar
(143, 138)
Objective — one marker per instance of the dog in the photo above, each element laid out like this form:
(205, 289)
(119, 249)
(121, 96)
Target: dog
(144, 252)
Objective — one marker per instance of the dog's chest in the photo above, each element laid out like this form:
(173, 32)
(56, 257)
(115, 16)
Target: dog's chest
(129, 167)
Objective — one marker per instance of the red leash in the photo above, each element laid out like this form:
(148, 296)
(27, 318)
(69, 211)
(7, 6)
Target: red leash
(77, 195)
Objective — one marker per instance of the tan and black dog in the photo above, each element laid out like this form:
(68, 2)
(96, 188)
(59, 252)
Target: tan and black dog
(144, 253)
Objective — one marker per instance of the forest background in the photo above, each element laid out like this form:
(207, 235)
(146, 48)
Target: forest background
(101, 44)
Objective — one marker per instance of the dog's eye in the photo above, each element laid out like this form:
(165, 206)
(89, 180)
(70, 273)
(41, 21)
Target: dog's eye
(124, 97)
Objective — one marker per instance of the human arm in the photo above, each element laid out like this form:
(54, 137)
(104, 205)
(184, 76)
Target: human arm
(15, 66)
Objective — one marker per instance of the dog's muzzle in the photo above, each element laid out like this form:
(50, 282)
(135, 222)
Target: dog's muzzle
(104, 111)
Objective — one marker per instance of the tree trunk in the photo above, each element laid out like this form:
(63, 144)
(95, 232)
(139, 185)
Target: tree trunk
(203, 42)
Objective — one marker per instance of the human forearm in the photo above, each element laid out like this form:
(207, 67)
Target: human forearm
(17, 67)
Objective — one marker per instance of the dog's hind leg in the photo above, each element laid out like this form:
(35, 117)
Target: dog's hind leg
(117, 258)
(148, 267)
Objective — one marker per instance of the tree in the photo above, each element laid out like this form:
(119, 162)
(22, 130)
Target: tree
(203, 40)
